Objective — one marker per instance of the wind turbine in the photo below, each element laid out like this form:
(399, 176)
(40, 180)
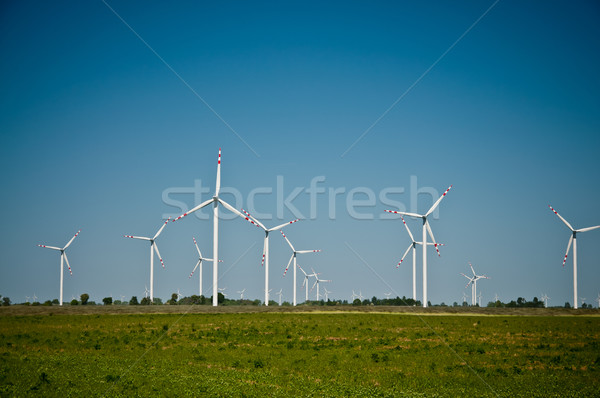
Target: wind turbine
(545, 299)
(413, 246)
(327, 293)
(582, 300)
(573, 240)
(426, 228)
(241, 292)
(178, 295)
(464, 297)
(34, 298)
(63, 258)
(496, 298)
(265, 256)
(222, 290)
(199, 263)
(293, 257)
(215, 200)
(598, 300)
(479, 298)
(387, 295)
(473, 282)
(305, 282)
(354, 296)
(279, 293)
(153, 248)
(317, 281)
(146, 291)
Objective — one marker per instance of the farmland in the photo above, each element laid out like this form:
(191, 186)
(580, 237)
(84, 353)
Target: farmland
(96, 352)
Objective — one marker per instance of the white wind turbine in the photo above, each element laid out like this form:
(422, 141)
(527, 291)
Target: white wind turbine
(582, 300)
(222, 290)
(387, 295)
(573, 240)
(598, 300)
(265, 255)
(479, 297)
(426, 228)
(241, 292)
(413, 246)
(317, 282)
(464, 297)
(545, 299)
(354, 296)
(305, 282)
(153, 248)
(327, 293)
(63, 259)
(293, 257)
(473, 282)
(199, 264)
(146, 291)
(279, 293)
(215, 200)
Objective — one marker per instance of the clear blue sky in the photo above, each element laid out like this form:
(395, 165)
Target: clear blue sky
(95, 128)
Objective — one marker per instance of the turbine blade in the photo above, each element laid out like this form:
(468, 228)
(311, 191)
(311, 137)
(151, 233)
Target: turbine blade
(161, 228)
(563, 220)
(568, 248)
(315, 284)
(288, 241)
(194, 270)
(588, 228)
(288, 265)
(437, 202)
(67, 261)
(253, 220)
(407, 230)
(283, 225)
(231, 208)
(218, 183)
(158, 254)
(404, 213)
(51, 247)
(197, 248)
(307, 251)
(474, 274)
(405, 253)
(201, 205)
(262, 263)
(305, 274)
(136, 237)
(432, 237)
(72, 239)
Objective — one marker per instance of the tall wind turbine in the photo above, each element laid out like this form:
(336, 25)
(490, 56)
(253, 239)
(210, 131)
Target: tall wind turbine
(473, 282)
(573, 240)
(545, 299)
(199, 263)
(293, 257)
(317, 282)
(63, 259)
(265, 256)
(413, 246)
(426, 228)
(305, 282)
(153, 248)
(241, 292)
(215, 200)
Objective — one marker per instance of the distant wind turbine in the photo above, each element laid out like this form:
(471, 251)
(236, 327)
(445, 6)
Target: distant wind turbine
(63, 258)
(199, 264)
(293, 257)
(473, 282)
(241, 293)
(153, 248)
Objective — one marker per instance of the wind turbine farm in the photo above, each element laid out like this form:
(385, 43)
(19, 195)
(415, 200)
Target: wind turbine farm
(384, 132)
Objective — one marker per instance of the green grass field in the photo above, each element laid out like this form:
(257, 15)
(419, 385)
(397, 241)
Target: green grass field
(298, 354)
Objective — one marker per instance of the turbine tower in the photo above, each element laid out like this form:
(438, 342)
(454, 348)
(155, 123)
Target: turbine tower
(293, 257)
(426, 229)
(153, 248)
(573, 240)
(199, 263)
(63, 259)
(305, 282)
(473, 282)
(265, 255)
(215, 200)
(317, 282)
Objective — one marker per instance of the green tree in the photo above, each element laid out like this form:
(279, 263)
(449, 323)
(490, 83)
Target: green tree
(107, 300)
(133, 301)
(84, 298)
(145, 301)
(74, 302)
(173, 299)
(5, 301)
(356, 302)
(55, 301)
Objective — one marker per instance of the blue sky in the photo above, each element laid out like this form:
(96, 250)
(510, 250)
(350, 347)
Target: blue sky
(95, 128)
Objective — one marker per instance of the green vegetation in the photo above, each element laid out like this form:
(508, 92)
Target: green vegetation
(297, 354)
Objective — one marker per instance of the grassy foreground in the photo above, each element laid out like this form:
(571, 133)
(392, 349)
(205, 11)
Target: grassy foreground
(298, 354)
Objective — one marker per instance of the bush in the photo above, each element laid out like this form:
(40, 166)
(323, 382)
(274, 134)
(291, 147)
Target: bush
(74, 302)
(84, 298)
(107, 300)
